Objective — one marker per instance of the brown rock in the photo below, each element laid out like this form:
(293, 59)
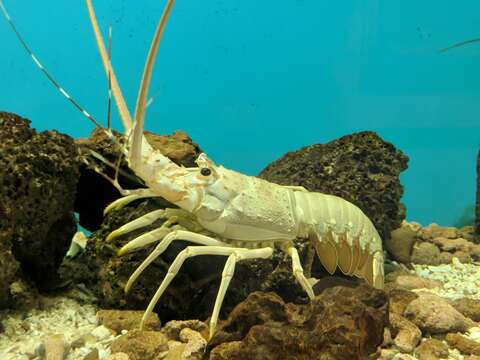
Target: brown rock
(463, 257)
(435, 315)
(425, 253)
(141, 345)
(173, 328)
(431, 349)
(119, 320)
(388, 354)
(463, 344)
(411, 282)
(56, 348)
(399, 300)
(341, 323)
(118, 356)
(471, 357)
(468, 307)
(406, 334)
(92, 355)
(434, 230)
(445, 257)
(400, 243)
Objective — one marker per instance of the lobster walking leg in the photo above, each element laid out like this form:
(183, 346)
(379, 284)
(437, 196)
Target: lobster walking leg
(298, 271)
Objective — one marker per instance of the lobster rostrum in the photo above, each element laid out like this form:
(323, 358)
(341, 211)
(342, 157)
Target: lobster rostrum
(248, 217)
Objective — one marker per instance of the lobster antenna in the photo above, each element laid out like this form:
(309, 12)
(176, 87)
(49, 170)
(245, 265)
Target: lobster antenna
(44, 70)
(141, 104)
(117, 92)
(109, 107)
(466, 42)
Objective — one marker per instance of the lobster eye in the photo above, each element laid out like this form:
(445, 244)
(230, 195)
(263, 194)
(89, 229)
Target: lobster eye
(205, 171)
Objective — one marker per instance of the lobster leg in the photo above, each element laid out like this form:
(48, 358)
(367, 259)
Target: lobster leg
(298, 271)
(190, 251)
(134, 195)
(166, 241)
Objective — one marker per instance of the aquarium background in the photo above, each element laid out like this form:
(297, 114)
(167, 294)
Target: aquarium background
(251, 80)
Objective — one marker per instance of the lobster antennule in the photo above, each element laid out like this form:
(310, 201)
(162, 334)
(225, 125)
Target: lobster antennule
(137, 139)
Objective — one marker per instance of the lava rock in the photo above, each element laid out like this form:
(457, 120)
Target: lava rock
(38, 179)
(361, 168)
(341, 323)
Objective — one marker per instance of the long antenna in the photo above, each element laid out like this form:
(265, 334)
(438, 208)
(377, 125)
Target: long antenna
(109, 107)
(44, 70)
(466, 42)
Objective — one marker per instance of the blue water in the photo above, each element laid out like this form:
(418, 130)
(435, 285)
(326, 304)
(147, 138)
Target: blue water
(250, 80)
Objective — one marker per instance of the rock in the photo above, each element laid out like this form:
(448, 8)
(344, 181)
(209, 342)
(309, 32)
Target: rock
(445, 258)
(118, 356)
(435, 315)
(425, 253)
(56, 348)
(101, 333)
(38, 179)
(173, 328)
(465, 345)
(406, 335)
(411, 282)
(341, 323)
(95, 192)
(195, 344)
(435, 231)
(361, 168)
(399, 299)
(92, 355)
(400, 243)
(431, 349)
(468, 307)
(140, 345)
(388, 354)
(119, 320)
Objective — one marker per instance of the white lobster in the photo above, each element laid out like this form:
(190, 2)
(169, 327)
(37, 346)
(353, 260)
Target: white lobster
(249, 216)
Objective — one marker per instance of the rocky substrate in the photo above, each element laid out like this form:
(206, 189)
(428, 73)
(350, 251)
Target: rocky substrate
(426, 312)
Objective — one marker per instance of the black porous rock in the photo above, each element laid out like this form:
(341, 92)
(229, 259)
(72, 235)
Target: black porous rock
(361, 168)
(38, 179)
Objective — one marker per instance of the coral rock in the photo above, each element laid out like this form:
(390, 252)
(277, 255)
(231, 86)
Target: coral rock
(341, 323)
(38, 179)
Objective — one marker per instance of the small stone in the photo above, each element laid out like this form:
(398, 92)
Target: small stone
(173, 328)
(140, 345)
(119, 320)
(55, 347)
(462, 256)
(445, 257)
(195, 344)
(406, 334)
(431, 349)
(400, 243)
(388, 354)
(425, 253)
(411, 282)
(399, 300)
(435, 315)
(78, 342)
(101, 332)
(118, 356)
(92, 355)
(465, 345)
